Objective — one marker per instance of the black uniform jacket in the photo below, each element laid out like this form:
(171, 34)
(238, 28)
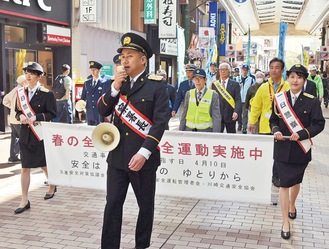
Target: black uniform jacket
(308, 111)
(43, 104)
(149, 97)
(310, 88)
(226, 110)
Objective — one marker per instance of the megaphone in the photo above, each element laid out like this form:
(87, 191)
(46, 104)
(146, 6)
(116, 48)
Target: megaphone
(80, 106)
(105, 137)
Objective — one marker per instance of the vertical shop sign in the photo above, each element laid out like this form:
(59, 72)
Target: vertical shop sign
(213, 15)
(167, 18)
(222, 34)
(149, 12)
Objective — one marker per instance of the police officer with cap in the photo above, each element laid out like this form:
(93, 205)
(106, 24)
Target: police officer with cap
(139, 103)
(92, 90)
(211, 75)
(38, 105)
(200, 98)
(183, 87)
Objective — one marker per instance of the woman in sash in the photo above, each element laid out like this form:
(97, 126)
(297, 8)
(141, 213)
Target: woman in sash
(296, 118)
(34, 104)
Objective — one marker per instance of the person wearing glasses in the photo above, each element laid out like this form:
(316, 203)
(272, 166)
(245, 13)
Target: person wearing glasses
(229, 98)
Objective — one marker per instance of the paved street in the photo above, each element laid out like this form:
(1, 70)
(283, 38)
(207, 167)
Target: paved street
(73, 218)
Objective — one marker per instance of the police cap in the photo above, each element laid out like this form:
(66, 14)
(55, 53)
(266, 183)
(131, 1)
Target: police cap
(135, 42)
(34, 67)
(236, 69)
(298, 68)
(117, 59)
(245, 66)
(213, 64)
(95, 64)
(190, 67)
(199, 72)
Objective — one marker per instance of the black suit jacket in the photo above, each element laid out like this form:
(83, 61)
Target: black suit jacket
(226, 110)
(43, 103)
(308, 111)
(310, 88)
(149, 97)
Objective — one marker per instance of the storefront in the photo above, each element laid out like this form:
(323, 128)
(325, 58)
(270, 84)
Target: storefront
(33, 31)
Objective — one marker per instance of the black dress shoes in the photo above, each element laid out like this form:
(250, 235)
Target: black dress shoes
(21, 210)
(293, 215)
(285, 235)
(49, 196)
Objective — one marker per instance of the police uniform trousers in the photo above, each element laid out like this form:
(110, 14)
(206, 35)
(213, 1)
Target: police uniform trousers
(32, 155)
(143, 184)
(290, 174)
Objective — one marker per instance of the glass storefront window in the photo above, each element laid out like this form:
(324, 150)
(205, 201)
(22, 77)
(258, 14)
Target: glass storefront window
(15, 34)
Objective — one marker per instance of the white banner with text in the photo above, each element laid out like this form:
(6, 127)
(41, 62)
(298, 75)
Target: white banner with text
(234, 167)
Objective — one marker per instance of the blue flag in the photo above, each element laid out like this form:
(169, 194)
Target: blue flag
(282, 39)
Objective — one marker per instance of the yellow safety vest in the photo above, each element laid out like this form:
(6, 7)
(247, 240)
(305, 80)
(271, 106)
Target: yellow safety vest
(198, 116)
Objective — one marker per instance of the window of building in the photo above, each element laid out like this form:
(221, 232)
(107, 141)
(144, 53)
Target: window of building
(15, 34)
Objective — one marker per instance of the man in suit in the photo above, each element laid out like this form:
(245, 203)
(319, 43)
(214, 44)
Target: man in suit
(184, 86)
(171, 93)
(245, 82)
(92, 90)
(310, 87)
(229, 98)
(140, 106)
(201, 107)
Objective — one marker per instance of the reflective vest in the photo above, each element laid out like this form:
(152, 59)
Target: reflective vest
(198, 116)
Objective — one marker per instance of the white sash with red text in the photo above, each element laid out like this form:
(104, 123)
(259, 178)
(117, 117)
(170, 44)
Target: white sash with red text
(291, 120)
(29, 112)
(132, 117)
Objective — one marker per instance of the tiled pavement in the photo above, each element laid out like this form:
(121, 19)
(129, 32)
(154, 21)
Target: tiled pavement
(73, 218)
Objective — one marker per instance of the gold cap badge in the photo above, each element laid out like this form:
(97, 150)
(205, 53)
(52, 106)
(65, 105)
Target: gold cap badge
(127, 40)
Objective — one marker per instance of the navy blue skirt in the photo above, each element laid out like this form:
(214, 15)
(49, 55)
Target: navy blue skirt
(290, 174)
(32, 155)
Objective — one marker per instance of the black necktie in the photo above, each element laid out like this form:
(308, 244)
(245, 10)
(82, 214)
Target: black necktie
(191, 84)
(94, 83)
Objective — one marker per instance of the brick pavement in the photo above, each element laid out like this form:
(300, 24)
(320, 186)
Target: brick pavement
(73, 218)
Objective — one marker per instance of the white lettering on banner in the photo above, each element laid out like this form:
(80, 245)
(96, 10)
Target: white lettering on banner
(213, 20)
(220, 166)
(58, 39)
(26, 3)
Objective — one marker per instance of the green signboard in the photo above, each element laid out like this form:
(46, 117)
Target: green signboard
(107, 69)
(149, 12)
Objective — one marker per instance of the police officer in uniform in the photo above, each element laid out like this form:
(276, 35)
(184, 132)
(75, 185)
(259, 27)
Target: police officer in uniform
(136, 99)
(92, 90)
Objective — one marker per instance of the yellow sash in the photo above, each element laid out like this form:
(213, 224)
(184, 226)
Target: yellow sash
(224, 93)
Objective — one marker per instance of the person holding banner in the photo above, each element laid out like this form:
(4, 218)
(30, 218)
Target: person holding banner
(229, 98)
(295, 119)
(140, 106)
(261, 106)
(35, 103)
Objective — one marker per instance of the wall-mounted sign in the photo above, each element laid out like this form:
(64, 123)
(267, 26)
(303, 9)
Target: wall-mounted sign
(56, 35)
(167, 19)
(168, 46)
(149, 12)
(88, 11)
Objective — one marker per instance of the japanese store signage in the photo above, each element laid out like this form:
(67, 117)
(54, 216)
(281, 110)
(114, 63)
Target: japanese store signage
(222, 34)
(213, 16)
(167, 18)
(149, 12)
(56, 35)
(213, 166)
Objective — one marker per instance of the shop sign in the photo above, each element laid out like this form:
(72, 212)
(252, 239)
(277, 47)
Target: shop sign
(56, 12)
(56, 35)
(88, 11)
(168, 46)
(149, 12)
(26, 3)
(167, 18)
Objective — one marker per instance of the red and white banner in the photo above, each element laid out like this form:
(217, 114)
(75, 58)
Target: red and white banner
(230, 51)
(219, 166)
(57, 35)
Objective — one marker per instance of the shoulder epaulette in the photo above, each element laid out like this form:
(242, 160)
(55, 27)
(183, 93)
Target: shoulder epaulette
(155, 77)
(308, 95)
(43, 89)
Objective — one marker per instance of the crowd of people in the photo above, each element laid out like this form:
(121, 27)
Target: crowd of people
(225, 100)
